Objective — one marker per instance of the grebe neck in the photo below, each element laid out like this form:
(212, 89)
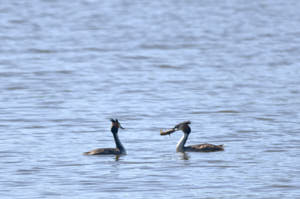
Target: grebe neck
(118, 143)
(181, 143)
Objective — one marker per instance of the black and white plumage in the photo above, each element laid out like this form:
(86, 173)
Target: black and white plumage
(119, 150)
(180, 147)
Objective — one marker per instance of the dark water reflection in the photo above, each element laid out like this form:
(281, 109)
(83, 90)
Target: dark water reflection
(230, 67)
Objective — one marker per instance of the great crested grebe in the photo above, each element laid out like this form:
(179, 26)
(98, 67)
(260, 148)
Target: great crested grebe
(184, 126)
(119, 150)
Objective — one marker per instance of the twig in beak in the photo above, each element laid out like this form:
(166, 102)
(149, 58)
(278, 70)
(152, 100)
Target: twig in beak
(167, 132)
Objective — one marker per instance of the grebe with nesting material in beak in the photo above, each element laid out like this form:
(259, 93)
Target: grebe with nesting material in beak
(184, 126)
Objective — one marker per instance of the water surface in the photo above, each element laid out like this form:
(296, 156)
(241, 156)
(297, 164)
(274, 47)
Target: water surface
(231, 67)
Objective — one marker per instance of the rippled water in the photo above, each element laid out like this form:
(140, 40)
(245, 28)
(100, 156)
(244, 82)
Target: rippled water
(231, 67)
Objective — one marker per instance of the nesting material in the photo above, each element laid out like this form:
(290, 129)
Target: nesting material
(167, 132)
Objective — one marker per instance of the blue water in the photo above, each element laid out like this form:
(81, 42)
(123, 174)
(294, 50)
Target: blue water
(231, 67)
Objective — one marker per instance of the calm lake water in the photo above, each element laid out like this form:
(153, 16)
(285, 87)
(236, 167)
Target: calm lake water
(231, 67)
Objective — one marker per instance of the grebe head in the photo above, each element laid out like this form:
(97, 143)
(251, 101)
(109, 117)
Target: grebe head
(115, 125)
(184, 126)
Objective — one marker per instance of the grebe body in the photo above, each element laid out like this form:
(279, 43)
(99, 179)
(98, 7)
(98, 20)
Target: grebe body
(119, 150)
(180, 147)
